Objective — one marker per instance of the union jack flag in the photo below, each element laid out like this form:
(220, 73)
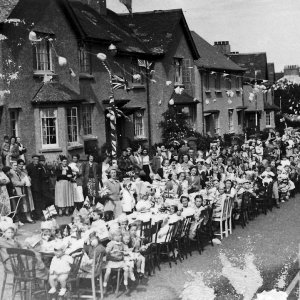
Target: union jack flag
(144, 63)
(119, 82)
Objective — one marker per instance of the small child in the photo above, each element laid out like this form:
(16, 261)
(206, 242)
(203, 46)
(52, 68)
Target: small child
(92, 247)
(128, 255)
(136, 245)
(123, 221)
(59, 269)
(99, 225)
(115, 257)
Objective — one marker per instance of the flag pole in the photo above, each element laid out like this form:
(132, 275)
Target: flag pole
(112, 111)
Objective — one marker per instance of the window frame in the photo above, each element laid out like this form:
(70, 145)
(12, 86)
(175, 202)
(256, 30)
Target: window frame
(228, 82)
(178, 71)
(84, 59)
(83, 114)
(230, 121)
(141, 125)
(38, 53)
(14, 129)
(217, 82)
(71, 125)
(207, 81)
(55, 111)
(269, 117)
(137, 69)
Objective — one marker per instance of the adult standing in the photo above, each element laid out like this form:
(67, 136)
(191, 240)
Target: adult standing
(114, 187)
(75, 165)
(35, 173)
(103, 169)
(64, 197)
(90, 178)
(146, 165)
(14, 152)
(19, 184)
(47, 194)
(136, 160)
(4, 197)
(21, 170)
(22, 149)
(5, 150)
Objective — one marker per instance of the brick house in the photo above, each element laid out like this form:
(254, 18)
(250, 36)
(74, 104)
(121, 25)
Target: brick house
(220, 90)
(166, 33)
(260, 112)
(62, 109)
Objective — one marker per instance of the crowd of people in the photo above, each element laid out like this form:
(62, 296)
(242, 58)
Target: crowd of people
(109, 200)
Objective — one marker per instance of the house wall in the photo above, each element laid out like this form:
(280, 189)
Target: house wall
(18, 48)
(165, 71)
(217, 99)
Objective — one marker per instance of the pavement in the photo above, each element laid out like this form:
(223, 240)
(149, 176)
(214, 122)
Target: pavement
(273, 239)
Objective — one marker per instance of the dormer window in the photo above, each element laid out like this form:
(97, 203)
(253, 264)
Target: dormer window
(42, 55)
(178, 71)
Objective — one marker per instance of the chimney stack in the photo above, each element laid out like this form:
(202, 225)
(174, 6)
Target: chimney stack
(291, 70)
(98, 5)
(223, 47)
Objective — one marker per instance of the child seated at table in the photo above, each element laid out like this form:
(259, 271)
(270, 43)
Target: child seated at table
(59, 269)
(115, 257)
(99, 225)
(123, 222)
(137, 247)
(198, 210)
(92, 248)
(128, 255)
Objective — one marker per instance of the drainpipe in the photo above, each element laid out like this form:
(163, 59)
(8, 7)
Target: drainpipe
(148, 108)
(202, 100)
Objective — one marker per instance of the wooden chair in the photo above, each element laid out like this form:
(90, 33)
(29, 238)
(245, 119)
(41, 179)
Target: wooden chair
(222, 219)
(146, 232)
(6, 273)
(166, 247)
(154, 247)
(229, 216)
(205, 231)
(242, 212)
(23, 264)
(177, 240)
(184, 239)
(96, 273)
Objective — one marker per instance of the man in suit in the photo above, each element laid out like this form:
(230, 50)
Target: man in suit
(46, 192)
(35, 173)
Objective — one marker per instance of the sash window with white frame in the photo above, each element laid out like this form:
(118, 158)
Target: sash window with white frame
(138, 121)
(43, 56)
(269, 117)
(72, 123)
(49, 127)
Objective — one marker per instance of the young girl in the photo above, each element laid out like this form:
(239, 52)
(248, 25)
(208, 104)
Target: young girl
(92, 248)
(128, 255)
(115, 257)
(136, 245)
(128, 201)
(59, 269)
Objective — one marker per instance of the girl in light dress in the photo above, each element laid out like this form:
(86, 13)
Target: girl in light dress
(115, 250)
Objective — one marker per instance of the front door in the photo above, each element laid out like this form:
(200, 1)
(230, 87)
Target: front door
(251, 123)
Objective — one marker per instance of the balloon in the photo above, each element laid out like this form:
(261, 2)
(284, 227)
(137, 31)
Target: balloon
(62, 61)
(171, 102)
(112, 117)
(101, 56)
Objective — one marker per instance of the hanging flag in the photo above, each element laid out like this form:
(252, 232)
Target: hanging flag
(128, 4)
(119, 82)
(144, 63)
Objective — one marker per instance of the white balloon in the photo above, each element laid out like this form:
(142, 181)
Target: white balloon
(112, 117)
(32, 36)
(108, 115)
(171, 102)
(101, 56)
(62, 61)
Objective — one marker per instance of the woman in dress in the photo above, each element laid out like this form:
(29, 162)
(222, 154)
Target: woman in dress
(90, 178)
(64, 196)
(75, 166)
(20, 184)
(146, 165)
(27, 190)
(4, 197)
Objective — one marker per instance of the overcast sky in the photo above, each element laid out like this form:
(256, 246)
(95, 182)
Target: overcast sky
(271, 26)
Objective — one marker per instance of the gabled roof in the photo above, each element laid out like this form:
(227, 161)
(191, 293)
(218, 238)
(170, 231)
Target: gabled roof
(54, 92)
(183, 98)
(252, 62)
(211, 58)
(157, 29)
(6, 7)
(107, 28)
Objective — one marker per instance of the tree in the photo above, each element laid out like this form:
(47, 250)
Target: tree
(175, 126)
